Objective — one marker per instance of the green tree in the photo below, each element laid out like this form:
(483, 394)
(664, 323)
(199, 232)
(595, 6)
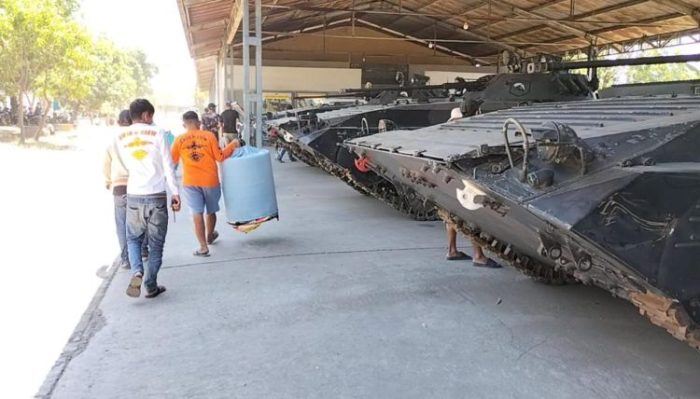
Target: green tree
(70, 78)
(33, 40)
(661, 72)
(142, 72)
(45, 53)
(119, 76)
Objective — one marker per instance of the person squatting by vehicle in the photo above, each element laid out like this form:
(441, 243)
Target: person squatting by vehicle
(479, 259)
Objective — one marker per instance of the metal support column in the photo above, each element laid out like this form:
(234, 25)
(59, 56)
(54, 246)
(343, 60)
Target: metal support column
(228, 74)
(214, 93)
(252, 101)
(246, 72)
(258, 74)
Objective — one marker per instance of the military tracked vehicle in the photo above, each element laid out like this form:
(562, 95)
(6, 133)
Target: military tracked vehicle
(295, 120)
(603, 191)
(322, 134)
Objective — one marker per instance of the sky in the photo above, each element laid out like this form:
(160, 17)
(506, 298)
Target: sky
(153, 26)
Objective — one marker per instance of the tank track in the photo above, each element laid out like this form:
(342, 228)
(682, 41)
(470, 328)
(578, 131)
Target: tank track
(507, 254)
(403, 200)
(406, 202)
(298, 152)
(661, 310)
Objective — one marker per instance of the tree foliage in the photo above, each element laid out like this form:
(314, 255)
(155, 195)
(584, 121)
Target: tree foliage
(662, 72)
(119, 76)
(45, 52)
(643, 73)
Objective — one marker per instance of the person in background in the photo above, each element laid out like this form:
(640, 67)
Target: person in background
(274, 136)
(211, 120)
(199, 152)
(229, 123)
(143, 150)
(116, 177)
(479, 259)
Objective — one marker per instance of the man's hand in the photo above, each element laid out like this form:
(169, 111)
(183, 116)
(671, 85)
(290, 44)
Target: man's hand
(175, 203)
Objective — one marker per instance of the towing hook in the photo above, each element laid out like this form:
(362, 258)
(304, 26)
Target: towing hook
(362, 164)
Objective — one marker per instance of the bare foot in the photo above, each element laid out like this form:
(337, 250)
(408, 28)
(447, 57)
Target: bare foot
(482, 260)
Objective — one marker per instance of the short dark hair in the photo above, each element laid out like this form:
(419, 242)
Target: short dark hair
(125, 117)
(139, 106)
(211, 106)
(190, 116)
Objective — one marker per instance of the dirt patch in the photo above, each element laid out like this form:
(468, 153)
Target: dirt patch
(8, 136)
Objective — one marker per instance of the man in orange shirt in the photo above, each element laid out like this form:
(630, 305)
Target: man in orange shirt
(199, 152)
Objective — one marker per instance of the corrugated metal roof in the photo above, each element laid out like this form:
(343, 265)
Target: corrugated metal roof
(530, 26)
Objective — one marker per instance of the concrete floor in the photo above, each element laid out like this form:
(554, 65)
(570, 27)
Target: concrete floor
(345, 298)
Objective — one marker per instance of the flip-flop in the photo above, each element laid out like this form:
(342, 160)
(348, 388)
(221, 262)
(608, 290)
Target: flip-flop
(152, 294)
(213, 238)
(134, 288)
(201, 254)
(460, 256)
(491, 264)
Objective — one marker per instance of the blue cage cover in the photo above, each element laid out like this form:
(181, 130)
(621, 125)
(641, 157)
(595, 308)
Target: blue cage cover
(248, 186)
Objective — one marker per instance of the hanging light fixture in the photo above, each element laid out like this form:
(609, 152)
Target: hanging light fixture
(466, 25)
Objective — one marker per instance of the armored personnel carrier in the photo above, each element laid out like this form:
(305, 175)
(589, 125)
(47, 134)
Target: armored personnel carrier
(603, 191)
(294, 120)
(321, 136)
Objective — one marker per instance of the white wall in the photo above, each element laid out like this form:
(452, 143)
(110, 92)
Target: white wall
(302, 79)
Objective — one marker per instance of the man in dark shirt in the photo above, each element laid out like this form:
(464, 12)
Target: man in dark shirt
(229, 119)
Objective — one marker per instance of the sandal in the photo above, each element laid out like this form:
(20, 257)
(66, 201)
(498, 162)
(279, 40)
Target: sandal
(491, 264)
(201, 254)
(460, 256)
(134, 288)
(213, 237)
(154, 293)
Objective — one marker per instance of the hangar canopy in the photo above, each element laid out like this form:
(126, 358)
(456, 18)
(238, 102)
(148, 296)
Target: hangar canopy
(472, 32)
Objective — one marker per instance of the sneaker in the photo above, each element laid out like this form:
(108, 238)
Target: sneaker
(134, 288)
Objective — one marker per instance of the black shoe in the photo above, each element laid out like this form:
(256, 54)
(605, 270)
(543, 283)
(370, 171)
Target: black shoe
(155, 292)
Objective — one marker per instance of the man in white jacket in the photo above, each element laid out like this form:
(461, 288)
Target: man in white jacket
(116, 176)
(144, 152)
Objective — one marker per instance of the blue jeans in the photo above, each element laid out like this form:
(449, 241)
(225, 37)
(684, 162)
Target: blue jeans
(280, 153)
(120, 221)
(146, 219)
